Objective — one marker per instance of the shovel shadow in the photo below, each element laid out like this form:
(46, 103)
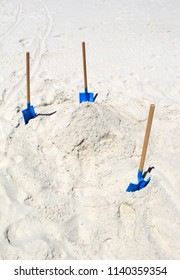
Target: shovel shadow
(46, 115)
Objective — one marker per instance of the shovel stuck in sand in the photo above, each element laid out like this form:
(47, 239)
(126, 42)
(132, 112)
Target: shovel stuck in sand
(141, 182)
(28, 113)
(85, 96)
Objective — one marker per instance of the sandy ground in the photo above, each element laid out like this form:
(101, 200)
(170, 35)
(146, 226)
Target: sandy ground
(63, 176)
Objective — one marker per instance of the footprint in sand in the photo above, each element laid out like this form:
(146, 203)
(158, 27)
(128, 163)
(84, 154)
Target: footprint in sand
(127, 221)
(25, 42)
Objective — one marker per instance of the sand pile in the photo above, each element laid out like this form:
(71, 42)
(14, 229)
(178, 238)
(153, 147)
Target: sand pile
(94, 128)
(83, 142)
(64, 191)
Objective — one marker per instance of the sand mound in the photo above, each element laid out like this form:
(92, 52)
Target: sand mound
(95, 128)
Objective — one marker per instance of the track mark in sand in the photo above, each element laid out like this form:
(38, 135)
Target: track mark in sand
(127, 221)
(25, 42)
(15, 23)
(37, 56)
(43, 39)
(6, 235)
(3, 96)
(27, 239)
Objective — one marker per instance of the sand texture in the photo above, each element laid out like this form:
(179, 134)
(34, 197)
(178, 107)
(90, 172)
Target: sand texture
(64, 175)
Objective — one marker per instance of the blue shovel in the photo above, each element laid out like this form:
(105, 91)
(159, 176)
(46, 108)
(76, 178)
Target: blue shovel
(141, 182)
(28, 113)
(85, 96)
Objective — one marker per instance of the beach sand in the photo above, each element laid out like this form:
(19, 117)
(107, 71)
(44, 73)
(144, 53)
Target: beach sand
(64, 175)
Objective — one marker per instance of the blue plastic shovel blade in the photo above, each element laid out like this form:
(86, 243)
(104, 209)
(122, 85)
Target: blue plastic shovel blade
(86, 97)
(140, 185)
(132, 187)
(28, 113)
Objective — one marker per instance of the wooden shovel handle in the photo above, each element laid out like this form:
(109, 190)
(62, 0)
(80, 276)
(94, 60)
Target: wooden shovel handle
(28, 76)
(84, 65)
(146, 137)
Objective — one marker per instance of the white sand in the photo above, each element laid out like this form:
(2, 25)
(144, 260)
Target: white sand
(63, 177)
